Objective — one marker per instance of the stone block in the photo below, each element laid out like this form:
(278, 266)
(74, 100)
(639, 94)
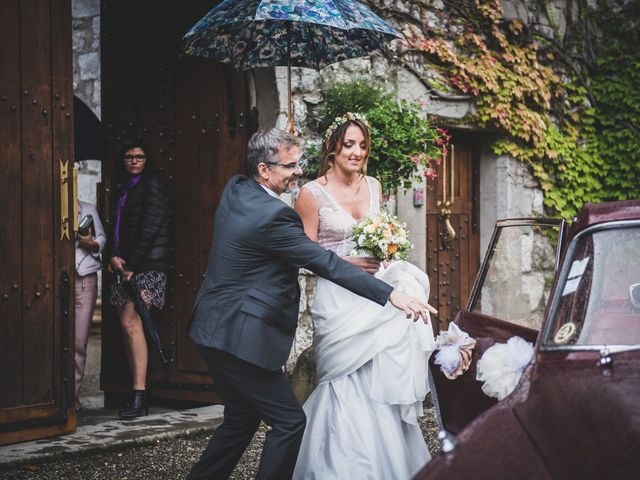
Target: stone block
(409, 87)
(526, 252)
(313, 98)
(79, 39)
(89, 65)
(95, 31)
(533, 287)
(304, 378)
(309, 80)
(515, 9)
(96, 99)
(85, 8)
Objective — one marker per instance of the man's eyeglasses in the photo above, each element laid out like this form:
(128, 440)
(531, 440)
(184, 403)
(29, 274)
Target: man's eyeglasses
(139, 157)
(302, 164)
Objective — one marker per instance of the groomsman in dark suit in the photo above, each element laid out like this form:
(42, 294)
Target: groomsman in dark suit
(246, 311)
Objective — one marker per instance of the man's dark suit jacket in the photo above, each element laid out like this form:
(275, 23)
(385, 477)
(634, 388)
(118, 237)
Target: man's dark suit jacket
(248, 302)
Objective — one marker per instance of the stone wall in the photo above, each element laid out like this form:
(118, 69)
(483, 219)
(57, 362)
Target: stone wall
(86, 52)
(86, 81)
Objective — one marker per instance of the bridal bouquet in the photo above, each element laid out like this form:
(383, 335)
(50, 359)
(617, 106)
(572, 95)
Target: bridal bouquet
(382, 236)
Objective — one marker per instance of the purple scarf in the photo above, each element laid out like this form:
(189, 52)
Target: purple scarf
(124, 191)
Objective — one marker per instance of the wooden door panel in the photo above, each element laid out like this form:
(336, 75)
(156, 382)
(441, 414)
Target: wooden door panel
(36, 327)
(37, 267)
(189, 208)
(10, 211)
(63, 286)
(216, 130)
(453, 263)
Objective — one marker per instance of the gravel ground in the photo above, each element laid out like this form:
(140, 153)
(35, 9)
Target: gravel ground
(165, 460)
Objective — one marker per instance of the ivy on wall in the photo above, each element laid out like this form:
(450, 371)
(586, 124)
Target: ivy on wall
(569, 107)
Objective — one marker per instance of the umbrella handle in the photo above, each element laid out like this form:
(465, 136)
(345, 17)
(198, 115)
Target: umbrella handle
(290, 123)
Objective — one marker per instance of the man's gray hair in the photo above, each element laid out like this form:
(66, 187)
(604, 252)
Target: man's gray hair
(263, 146)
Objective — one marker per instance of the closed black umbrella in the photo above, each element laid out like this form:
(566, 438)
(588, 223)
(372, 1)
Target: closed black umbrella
(92, 138)
(145, 315)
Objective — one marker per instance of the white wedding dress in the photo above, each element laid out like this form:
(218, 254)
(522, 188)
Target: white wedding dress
(372, 369)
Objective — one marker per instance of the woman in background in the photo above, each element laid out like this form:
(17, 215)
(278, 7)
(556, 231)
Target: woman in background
(141, 247)
(89, 246)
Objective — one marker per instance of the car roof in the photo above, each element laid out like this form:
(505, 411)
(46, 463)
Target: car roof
(594, 213)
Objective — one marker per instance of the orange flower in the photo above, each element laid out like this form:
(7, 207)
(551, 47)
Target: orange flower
(392, 248)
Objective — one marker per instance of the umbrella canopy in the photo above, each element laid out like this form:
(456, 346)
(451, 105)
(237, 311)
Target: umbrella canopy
(312, 34)
(266, 33)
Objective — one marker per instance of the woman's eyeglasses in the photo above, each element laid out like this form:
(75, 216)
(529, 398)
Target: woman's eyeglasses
(139, 157)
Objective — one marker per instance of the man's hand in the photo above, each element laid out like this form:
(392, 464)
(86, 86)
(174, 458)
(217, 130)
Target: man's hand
(411, 306)
(368, 264)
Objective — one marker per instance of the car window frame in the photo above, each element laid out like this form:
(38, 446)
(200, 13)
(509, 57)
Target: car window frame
(556, 296)
(515, 222)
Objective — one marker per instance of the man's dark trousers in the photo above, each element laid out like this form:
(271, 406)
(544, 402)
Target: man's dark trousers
(251, 393)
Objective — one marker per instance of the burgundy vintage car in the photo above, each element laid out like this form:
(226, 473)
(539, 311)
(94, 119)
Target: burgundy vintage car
(575, 410)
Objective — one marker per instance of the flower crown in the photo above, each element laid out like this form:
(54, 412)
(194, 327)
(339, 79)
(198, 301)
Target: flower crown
(338, 121)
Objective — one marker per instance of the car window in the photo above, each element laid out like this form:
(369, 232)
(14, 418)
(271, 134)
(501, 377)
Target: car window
(596, 303)
(517, 274)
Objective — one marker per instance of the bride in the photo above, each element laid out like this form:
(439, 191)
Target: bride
(371, 361)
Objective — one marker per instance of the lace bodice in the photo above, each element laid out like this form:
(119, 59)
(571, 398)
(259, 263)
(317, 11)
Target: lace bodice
(336, 224)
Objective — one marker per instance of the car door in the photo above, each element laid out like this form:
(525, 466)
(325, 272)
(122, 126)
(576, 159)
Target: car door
(508, 299)
(582, 409)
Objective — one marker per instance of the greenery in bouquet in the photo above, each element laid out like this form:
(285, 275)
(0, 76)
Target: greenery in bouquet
(383, 237)
(405, 146)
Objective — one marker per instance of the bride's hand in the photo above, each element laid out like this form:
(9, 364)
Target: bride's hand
(368, 264)
(413, 307)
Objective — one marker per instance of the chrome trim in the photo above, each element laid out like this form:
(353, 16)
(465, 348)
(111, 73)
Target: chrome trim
(590, 348)
(448, 442)
(561, 239)
(516, 222)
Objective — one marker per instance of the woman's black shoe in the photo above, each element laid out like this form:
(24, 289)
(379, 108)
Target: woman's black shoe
(138, 404)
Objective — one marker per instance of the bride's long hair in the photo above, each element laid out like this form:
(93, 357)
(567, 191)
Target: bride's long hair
(333, 145)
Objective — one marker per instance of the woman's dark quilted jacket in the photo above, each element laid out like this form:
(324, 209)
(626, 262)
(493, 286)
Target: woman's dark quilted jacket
(145, 227)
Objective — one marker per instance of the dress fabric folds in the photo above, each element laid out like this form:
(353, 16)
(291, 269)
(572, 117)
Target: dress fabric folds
(362, 419)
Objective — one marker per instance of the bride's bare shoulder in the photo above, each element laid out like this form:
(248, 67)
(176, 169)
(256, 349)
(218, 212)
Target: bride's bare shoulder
(323, 180)
(306, 203)
(373, 180)
(312, 183)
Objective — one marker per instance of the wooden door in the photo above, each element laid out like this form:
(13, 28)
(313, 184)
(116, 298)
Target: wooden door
(36, 246)
(191, 113)
(453, 236)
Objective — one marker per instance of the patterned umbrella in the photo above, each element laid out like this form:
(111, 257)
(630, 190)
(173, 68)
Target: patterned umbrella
(311, 34)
